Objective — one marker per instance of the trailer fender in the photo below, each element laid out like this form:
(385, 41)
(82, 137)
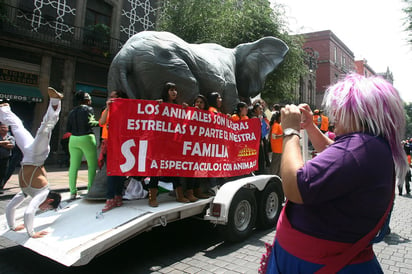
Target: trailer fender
(225, 194)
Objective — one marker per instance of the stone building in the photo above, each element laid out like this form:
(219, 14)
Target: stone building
(363, 68)
(65, 44)
(335, 59)
(307, 84)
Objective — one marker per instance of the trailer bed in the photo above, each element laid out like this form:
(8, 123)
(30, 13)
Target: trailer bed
(78, 233)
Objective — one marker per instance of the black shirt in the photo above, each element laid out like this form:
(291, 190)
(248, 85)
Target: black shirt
(81, 121)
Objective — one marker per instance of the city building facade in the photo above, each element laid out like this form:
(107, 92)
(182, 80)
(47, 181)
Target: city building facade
(363, 68)
(335, 59)
(387, 75)
(306, 92)
(68, 45)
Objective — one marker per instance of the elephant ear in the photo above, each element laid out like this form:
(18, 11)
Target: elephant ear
(254, 61)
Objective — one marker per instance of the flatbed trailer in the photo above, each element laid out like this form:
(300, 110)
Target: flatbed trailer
(78, 231)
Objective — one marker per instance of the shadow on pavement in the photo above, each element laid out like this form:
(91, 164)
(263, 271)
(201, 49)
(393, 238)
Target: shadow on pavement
(395, 239)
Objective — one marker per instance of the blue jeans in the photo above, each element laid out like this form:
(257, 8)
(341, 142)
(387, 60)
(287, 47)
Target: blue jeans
(115, 186)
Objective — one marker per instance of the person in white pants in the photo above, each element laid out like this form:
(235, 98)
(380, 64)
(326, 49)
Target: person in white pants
(32, 175)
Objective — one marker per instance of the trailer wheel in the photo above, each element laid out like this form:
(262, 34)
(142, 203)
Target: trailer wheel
(242, 216)
(269, 206)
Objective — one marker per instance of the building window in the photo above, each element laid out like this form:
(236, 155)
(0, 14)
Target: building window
(335, 55)
(98, 13)
(97, 31)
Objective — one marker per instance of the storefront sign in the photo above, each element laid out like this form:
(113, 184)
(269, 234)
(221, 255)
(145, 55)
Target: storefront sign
(13, 76)
(18, 92)
(22, 98)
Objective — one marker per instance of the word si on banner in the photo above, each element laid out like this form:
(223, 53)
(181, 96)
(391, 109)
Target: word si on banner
(148, 138)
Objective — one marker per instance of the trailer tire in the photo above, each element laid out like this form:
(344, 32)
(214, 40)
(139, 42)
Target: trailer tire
(269, 206)
(242, 216)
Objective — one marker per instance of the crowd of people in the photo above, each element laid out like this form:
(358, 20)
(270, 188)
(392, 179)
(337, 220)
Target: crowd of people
(81, 142)
(191, 190)
(336, 203)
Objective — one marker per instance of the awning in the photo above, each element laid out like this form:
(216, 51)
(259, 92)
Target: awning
(99, 101)
(22, 93)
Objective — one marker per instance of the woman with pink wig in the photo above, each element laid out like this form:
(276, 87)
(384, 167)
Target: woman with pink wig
(338, 202)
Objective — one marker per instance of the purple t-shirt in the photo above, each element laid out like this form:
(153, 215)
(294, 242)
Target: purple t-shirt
(345, 189)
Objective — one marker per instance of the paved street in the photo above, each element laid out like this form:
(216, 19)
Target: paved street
(58, 180)
(190, 246)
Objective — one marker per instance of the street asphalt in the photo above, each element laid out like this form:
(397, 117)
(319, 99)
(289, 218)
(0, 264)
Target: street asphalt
(394, 252)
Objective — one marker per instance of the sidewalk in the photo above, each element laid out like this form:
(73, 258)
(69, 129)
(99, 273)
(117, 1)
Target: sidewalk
(58, 180)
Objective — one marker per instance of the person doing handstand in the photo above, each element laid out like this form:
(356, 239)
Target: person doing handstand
(32, 175)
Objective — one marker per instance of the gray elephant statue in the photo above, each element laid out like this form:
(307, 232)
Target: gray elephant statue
(149, 59)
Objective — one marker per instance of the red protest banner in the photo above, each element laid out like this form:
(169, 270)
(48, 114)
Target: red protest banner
(147, 138)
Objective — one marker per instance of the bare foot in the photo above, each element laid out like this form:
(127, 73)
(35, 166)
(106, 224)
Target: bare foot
(19, 227)
(39, 234)
(54, 93)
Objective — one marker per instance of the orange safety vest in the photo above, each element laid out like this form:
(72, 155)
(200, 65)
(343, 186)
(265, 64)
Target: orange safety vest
(324, 123)
(276, 144)
(213, 109)
(236, 117)
(105, 132)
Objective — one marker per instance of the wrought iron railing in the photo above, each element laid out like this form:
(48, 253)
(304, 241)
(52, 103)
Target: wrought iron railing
(15, 22)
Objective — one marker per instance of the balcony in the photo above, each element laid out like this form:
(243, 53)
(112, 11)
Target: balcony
(95, 39)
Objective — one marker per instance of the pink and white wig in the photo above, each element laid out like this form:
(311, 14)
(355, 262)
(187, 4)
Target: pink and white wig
(369, 105)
